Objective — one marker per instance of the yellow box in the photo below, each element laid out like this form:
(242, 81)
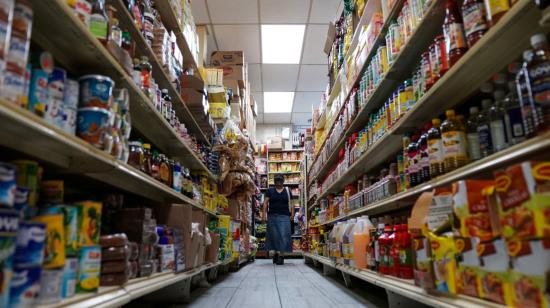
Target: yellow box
(54, 251)
(218, 110)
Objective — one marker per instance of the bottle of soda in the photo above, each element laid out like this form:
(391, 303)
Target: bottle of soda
(539, 75)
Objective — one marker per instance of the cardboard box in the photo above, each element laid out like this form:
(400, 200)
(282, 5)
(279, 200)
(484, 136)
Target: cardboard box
(219, 58)
(233, 85)
(275, 143)
(212, 250)
(191, 82)
(199, 217)
(179, 216)
(234, 72)
(192, 97)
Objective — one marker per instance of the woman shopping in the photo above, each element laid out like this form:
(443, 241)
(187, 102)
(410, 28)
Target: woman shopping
(278, 212)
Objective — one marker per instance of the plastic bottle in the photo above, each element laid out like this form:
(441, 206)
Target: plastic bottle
(361, 239)
(472, 135)
(454, 142)
(147, 158)
(435, 149)
(529, 110)
(406, 162)
(484, 129)
(378, 247)
(413, 159)
(116, 34)
(393, 242)
(371, 254)
(145, 70)
(496, 9)
(539, 75)
(405, 253)
(98, 21)
(514, 122)
(453, 30)
(497, 123)
(176, 183)
(385, 250)
(155, 165)
(475, 20)
(424, 163)
(347, 242)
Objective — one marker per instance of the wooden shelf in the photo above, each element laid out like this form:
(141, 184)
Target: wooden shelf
(481, 168)
(119, 295)
(502, 44)
(26, 132)
(405, 287)
(90, 56)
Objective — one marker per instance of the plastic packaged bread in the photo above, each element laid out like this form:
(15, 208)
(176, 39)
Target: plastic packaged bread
(120, 266)
(115, 253)
(113, 240)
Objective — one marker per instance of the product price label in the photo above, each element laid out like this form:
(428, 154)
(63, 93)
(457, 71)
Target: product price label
(454, 144)
(474, 18)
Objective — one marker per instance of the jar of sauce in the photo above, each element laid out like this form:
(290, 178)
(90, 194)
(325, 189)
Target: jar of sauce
(147, 158)
(453, 30)
(434, 62)
(426, 69)
(475, 20)
(135, 157)
(442, 58)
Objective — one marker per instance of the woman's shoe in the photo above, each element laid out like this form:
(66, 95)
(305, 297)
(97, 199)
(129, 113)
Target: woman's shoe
(280, 260)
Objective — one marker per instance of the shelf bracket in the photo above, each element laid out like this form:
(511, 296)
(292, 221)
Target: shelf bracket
(328, 270)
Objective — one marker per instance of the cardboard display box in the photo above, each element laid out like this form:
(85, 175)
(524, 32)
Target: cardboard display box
(192, 82)
(219, 58)
(234, 72)
(193, 97)
(275, 143)
(213, 250)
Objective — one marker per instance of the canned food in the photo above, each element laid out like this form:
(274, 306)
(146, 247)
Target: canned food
(95, 91)
(31, 237)
(93, 125)
(89, 265)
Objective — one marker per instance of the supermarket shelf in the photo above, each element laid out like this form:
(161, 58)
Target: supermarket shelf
(283, 161)
(26, 132)
(402, 67)
(405, 287)
(482, 168)
(280, 151)
(501, 44)
(90, 56)
(135, 288)
(285, 172)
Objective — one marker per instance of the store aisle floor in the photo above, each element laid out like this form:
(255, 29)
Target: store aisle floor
(263, 284)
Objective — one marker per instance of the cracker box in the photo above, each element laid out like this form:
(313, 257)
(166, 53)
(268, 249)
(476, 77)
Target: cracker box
(530, 272)
(524, 193)
(471, 207)
(494, 274)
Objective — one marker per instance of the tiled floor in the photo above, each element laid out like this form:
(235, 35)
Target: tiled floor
(263, 284)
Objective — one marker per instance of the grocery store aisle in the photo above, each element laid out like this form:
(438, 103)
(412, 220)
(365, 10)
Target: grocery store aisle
(263, 284)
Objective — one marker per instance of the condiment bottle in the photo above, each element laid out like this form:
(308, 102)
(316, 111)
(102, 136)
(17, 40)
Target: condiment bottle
(164, 170)
(475, 20)
(539, 75)
(116, 34)
(424, 169)
(472, 135)
(406, 163)
(98, 21)
(126, 42)
(454, 142)
(496, 9)
(426, 69)
(155, 165)
(435, 149)
(135, 156)
(145, 73)
(484, 129)
(405, 253)
(147, 158)
(434, 62)
(498, 127)
(413, 159)
(443, 62)
(394, 251)
(453, 30)
(378, 247)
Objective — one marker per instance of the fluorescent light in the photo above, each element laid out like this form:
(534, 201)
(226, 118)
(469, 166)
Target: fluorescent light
(278, 102)
(282, 44)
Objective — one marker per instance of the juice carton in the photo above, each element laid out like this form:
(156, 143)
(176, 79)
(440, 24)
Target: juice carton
(524, 192)
(494, 273)
(89, 264)
(468, 282)
(472, 209)
(89, 222)
(444, 262)
(54, 250)
(530, 272)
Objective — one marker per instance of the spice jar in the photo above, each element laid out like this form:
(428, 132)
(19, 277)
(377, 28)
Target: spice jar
(475, 20)
(135, 157)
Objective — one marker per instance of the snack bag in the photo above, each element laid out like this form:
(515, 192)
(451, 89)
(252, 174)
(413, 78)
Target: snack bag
(530, 272)
(468, 282)
(524, 193)
(472, 209)
(494, 274)
(444, 262)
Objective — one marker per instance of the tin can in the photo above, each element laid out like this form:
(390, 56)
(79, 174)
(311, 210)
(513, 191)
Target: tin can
(69, 277)
(25, 286)
(31, 237)
(96, 91)
(8, 184)
(89, 265)
(21, 199)
(38, 94)
(89, 222)
(93, 125)
(28, 175)
(54, 251)
(50, 286)
(70, 222)
(8, 233)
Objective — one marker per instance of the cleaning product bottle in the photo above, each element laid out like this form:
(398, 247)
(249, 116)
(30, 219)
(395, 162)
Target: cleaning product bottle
(454, 142)
(435, 149)
(472, 135)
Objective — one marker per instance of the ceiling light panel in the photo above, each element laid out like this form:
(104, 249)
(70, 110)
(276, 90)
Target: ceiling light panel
(278, 102)
(282, 44)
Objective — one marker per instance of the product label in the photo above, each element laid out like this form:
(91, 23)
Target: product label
(435, 150)
(98, 26)
(473, 146)
(485, 139)
(540, 83)
(498, 6)
(515, 125)
(474, 18)
(454, 37)
(164, 173)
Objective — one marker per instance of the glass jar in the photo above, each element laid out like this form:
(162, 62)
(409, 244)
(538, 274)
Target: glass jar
(475, 20)
(147, 158)
(135, 156)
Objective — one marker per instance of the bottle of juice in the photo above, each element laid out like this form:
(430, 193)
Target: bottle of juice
(475, 20)
(361, 239)
(539, 75)
(453, 30)
(484, 129)
(435, 149)
(413, 158)
(424, 169)
(498, 127)
(405, 253)
(472, 135)
(454, 142)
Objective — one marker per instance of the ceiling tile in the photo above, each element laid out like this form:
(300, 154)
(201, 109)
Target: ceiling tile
(200, 14)
(240, 37)
(301, 118)
(234, 11)
(284, 11)
(303, 101)
(276, 118)
(255, 77)
(312, 78)
(316, 36)
(279, 77)
(323, 11)
(259, 97)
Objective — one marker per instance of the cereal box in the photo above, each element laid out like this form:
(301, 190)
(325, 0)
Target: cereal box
(472, 209)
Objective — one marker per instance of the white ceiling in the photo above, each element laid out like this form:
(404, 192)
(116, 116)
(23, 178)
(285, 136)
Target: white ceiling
(235, 25)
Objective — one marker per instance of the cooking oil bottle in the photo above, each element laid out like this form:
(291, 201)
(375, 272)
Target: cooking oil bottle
(454, 142)
(435, 149)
